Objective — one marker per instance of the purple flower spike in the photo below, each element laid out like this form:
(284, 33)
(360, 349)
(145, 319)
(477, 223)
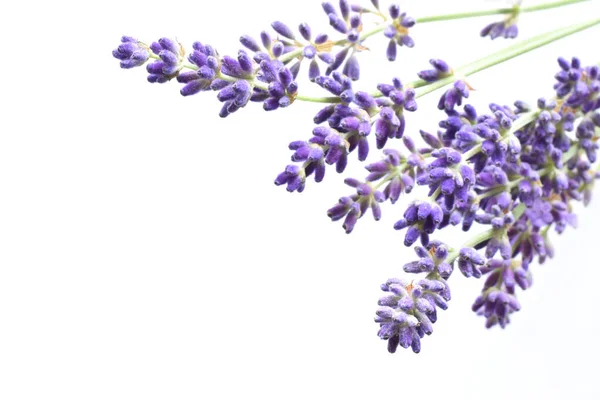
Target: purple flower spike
(355, 206)
(409, 310)
(131, 53)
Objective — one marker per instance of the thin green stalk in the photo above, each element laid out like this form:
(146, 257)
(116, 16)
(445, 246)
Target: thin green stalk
(511, 10)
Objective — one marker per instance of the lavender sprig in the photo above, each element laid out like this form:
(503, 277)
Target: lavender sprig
(518, 170)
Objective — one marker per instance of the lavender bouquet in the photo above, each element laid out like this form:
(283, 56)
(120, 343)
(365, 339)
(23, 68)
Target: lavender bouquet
(515, 169)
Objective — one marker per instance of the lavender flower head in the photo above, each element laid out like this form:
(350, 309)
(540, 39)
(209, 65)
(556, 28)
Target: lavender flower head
(507, 28)
(131, 53)
(397, 31)
(170, 56)
(408, 312)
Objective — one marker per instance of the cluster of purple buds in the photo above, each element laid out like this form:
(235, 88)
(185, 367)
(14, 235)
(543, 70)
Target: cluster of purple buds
(272, 49)
(327, 146)
(314, 50)
(407, 314)
(579, 85)
(391, 123)
(397, 171)
(421, 219)
(497, 300)
(348, 22)
(397, 31)
(469, 262)
(167, 67)
(355, 206)
(454, 123)
(440, 70)
(432, 260)
(344, 22)
(282, 88)
(500, 220)
(205, 58)
(453, 97)
(131, 53)
(507, 28)
(522, 178)
(235, 95)
(409, 311)
(446, 174)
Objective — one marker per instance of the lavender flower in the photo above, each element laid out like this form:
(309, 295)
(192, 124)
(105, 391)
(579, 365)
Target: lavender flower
(396, 170)
(206, 59)
(167, 67)
(507, 28)
(329, 146)
(421, 219)
(397, 31)
(440, 70)
(432, 259)
(282, 88)
(347, 21)
(453, 96)
(235, 95)
(580, 86)
(469, 262)
(497, 300)
(355, 206)
(407, 314)
(391, 123)
(131, 53)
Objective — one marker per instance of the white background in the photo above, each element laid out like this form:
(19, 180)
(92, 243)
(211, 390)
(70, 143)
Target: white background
(146, 254)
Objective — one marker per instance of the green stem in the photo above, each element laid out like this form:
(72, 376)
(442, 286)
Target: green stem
(511, 10)
(328, 100)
